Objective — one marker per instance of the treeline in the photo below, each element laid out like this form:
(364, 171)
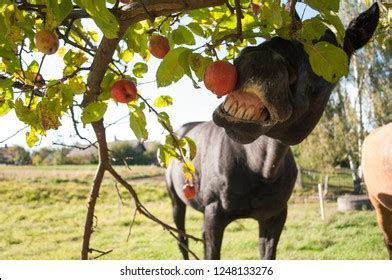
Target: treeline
(122, 152)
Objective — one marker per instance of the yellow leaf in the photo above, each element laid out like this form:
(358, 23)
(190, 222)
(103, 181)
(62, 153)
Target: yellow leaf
(61, 52)
(126, 55)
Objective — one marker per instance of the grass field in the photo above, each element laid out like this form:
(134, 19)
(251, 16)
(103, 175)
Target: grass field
(42, 211)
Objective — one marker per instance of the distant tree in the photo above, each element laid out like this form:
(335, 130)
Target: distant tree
(19, 155)
(359, 103)
(42, 156)
(151, 152)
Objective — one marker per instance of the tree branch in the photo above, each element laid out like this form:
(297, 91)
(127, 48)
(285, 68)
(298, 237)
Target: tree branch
(88, 226)
(132, 13)
(142, 209)
(99, 130)
(239, 15)
(295, 25)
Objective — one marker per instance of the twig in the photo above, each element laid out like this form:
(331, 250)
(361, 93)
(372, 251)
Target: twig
(75, 125)
(239, 15)
(184, 247)
(303, 12)
(231, 8)
(76, 45)
(39, 70)
(20, 60)
(171, 132)
(14, 134)
(103, 253)
(82, 148)
(84, 38)
(294, 24)
(149, 16)
(140, 207)
(117, 121)
(118, 193)
(131, 225)
(290, 7)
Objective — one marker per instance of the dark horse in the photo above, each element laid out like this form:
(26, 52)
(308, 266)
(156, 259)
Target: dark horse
(244, 166)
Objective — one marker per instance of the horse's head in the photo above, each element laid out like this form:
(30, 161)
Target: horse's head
(277, 93)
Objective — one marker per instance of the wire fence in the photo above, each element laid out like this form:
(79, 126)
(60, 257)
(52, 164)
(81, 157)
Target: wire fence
(335, 183)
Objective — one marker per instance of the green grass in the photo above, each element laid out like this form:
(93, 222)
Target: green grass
(42, 211)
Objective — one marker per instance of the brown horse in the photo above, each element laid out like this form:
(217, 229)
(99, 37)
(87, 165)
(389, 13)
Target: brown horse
(377, 171)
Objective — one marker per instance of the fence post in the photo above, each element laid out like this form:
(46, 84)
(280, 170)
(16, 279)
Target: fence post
(326, 181)
(299, 177)
(321, 198)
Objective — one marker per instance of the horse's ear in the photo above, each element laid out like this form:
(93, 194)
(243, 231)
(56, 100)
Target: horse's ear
(361, 29)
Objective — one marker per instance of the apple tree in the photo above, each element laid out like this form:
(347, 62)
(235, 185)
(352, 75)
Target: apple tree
(187, 35)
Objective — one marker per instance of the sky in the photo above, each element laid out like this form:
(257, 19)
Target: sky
(190, 104)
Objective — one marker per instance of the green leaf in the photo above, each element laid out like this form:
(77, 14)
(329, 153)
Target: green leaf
(139, 69)
(106, 86)
(77, 84)
(136, 38)
(191, 147)
(164, 120)
(333, 22)
(198, 64)
(74, 59)
(323, 6)
(196, 29)
(163, 101)
(183, 36)
(67, 95)
(185, 64)
(26, 115)
(94, 112)
(58, 10)
(6, 96)
(49, 113)
(138, 123)
(104, 19)
(165, 154)
(6, 84)
(170, 70)
(312, 29)
(33, 67)
(327, 61)
(272, 13)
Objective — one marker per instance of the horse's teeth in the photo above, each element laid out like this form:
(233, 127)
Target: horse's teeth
(240, 113)
(229, 102)
(249, 113)
(233, 109)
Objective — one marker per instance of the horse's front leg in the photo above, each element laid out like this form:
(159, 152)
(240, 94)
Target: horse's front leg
(215, 222)
(269, 233)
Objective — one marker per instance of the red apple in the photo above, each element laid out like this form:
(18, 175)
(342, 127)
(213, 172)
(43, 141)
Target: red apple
(46, 41)
(189, 191)
(158, 46)
(124, 91)
(255, 8)
(220, 77)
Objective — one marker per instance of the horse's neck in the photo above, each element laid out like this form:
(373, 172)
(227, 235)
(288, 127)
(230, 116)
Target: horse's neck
(266, 155)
